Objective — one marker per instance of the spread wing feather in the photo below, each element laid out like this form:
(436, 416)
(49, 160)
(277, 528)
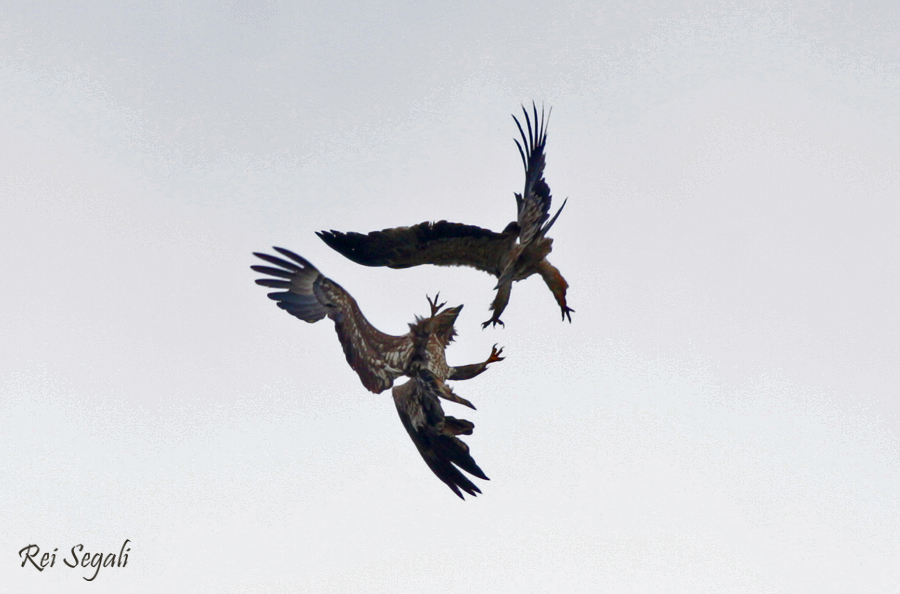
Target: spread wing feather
(435, 434)
(310, 296)
(441, 243)
(534, 202)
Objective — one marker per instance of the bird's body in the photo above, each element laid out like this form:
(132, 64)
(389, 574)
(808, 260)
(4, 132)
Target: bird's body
(379, 359)
(515, 254)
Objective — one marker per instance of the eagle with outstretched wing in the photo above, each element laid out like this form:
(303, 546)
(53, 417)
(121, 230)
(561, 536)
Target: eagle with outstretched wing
(380, 358)
(513, 255)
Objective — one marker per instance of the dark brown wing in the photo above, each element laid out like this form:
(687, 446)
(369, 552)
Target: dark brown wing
(377, 358)
(435, 434)
(534, 202)
(441, 243)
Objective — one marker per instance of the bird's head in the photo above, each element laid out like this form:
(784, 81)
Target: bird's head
(442, 323)
(439, 324)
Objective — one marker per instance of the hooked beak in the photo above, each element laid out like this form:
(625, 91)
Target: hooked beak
(454, 311)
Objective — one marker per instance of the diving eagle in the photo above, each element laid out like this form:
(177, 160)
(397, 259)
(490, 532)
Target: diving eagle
(513, 255)
(380, 358)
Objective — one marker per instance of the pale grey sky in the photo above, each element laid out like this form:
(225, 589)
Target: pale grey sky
(721, 415)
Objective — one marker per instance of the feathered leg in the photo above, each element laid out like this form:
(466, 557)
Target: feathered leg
(557, 285)
(499, 304)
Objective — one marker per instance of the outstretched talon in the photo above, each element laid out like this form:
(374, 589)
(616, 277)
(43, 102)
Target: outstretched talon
(464, 372)
(493, 321)
(567, 313)
(435, 308)
(495, 355)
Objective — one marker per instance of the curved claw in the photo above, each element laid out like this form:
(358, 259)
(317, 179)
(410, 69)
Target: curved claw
(434, 303)
(493, 321)
(495, 355)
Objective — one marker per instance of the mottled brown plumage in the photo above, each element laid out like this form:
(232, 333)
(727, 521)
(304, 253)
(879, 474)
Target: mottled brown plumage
(513, 255)
(380, 358)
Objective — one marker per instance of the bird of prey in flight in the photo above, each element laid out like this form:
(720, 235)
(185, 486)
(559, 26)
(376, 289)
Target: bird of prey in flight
(380, 358)
(513, 255)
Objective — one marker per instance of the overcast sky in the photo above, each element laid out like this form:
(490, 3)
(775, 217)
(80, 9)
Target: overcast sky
(721, 415)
